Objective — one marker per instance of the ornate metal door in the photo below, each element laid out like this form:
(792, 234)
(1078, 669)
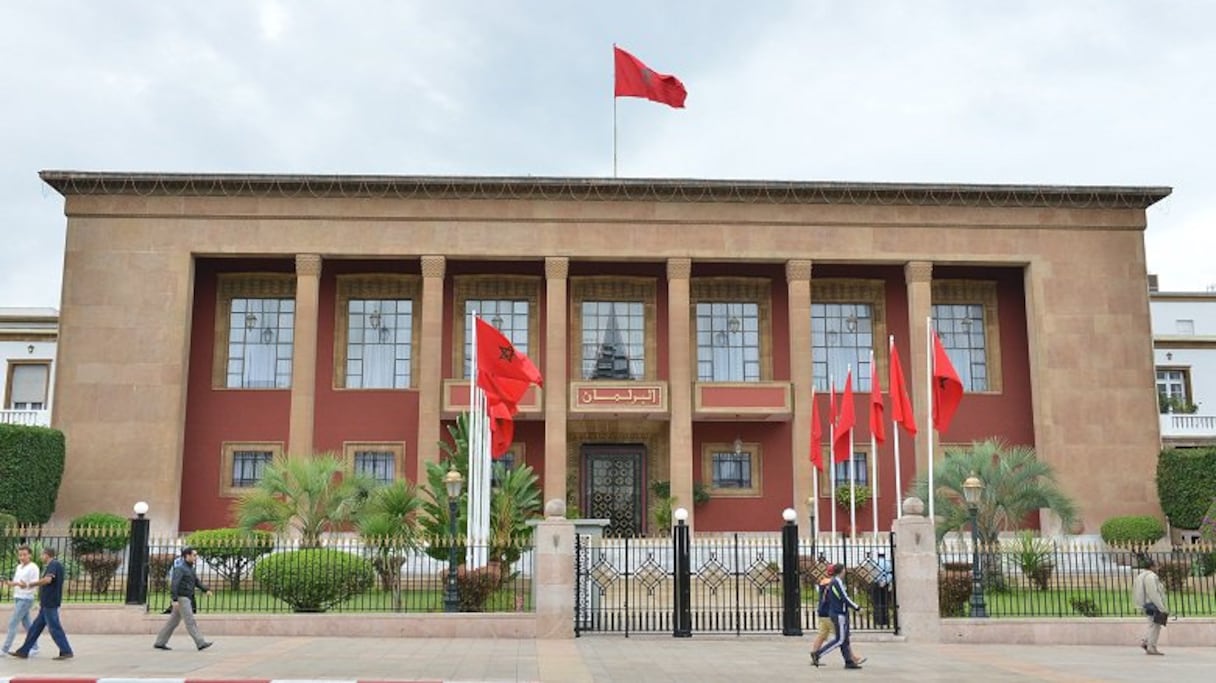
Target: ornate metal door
(612, 487)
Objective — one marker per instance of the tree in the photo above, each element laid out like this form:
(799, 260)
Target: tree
(1016, 483)
(305, 495)
(388, 526)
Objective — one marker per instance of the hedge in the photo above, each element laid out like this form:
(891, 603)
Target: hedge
(1186, 484)
(31, 468)
(1133, 530)
(313, 579)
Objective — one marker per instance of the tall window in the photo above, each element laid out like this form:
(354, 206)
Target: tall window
(731, 469)
(1172, 384)
(510, 316)
(260, 343)
(377, 464)
(379, 335)
(614, 336)
(27, 386)
(244, 465)
(728, 341)
(961, 328)
(842, 337)
(860, 472)
(965, 317)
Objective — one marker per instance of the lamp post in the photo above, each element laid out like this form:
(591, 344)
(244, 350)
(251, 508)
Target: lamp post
(973, 488)
(453, 482)
(682, 543)
(791, 589)
(137, 557)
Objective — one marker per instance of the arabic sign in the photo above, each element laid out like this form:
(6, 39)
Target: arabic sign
(619, 397)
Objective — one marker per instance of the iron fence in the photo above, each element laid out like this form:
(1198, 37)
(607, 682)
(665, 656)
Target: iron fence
(1042, 578)
(628, 585)
(348, 574)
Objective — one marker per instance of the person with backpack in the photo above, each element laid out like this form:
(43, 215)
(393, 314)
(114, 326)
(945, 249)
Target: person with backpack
(836, 603)
(824, 620)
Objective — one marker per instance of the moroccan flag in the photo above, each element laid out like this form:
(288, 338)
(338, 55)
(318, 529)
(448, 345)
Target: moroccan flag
(502, 428)
(635, 79)
(947, 388)
(816, 435)
(877, 428)
(901, 405)
(502, 372)
(844, 423)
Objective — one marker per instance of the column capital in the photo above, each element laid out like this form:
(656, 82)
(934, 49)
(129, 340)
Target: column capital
(557, 267)
(433, 266)
(918, 271)
(797, 270)
(308, 264)
(679, 268)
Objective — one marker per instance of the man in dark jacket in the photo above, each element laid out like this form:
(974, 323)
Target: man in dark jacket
(837, 603)
(182, 585)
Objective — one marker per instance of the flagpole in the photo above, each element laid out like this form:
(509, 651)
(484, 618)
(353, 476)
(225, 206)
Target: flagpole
(852, 473)
(614, 98)
(874, 457)
(832, 460)
(474, 426)
(929, 386)
(899, 486)
(813, 503)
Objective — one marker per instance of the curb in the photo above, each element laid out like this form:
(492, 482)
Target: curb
(158, 679)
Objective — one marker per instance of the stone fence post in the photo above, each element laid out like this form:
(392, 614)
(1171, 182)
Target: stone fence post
(553, 573)
(916, 575)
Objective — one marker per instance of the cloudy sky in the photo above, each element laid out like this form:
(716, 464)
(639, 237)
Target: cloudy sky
(1108, 92)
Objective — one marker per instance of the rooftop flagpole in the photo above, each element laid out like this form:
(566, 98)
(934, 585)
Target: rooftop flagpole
(614, 98)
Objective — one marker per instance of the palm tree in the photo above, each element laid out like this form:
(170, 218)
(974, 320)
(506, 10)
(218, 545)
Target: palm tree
(1016, 483)
(304, 495)
(388, 525)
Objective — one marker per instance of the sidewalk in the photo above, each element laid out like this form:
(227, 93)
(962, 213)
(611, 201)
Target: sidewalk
(598, 658)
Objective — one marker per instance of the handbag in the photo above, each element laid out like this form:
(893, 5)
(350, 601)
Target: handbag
(1160, 617)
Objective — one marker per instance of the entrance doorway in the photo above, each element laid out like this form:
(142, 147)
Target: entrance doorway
(613, 477)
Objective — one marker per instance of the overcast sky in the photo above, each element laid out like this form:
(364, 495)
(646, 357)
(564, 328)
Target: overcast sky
(1108, 92)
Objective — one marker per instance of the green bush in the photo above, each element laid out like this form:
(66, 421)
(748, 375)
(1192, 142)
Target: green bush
(1132, 530)
(159, 566)
(954, 589)
(101, 567)
(314, 579)
(231, 552)
(475, 586)
(98, 532)
(1035, 557)
(1174, 573)
(1085, 607)
(1186, 484)
(31, 468)
(861, 495)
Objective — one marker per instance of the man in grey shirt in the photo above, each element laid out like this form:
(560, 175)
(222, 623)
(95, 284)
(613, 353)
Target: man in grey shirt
(181, 591)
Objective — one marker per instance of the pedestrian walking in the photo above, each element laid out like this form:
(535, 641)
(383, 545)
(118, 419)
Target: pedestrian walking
(182, 587)
(1149, 595)
(826, 627)
(24, 578)
(50, 597)
(838, 605)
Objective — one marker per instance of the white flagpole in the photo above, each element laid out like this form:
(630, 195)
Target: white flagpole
(813, 503)
(929, 386)
(874, 457)
(614, 98)
(899, 485)
(832, 461)
(474, 437)
(852, 472)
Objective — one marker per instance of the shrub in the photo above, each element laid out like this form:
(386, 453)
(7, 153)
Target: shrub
(101, 568)
(314, 579)
(1186, 484)
(1205, 564)
(98, 532)
(954, 589)
(1174, 573)
(861, 495)
(159, 565)
(1085, 607)
(475, 586)
(231, 552)
(1034, 557)
(31, 468)
(1207, 526)
(1132, 530)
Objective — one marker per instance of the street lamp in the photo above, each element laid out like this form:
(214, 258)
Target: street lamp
(453, 482)
(137, 556)
(973, 488)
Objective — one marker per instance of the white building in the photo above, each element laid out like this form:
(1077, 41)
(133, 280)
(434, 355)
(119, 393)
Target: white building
(1184, 349)
(28, 341)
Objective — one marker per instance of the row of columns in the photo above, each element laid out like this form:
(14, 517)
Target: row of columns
(918, 276)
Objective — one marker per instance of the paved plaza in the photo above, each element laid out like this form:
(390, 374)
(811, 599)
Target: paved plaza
(597, 658)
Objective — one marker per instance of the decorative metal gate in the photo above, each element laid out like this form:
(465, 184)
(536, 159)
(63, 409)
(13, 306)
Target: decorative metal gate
(613, 487)
(627, 585)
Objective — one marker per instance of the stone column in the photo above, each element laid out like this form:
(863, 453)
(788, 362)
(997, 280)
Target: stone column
(553, 589)
(680, 378)
(430, 370)
(557, 331)
(798, 281)
(916, 575)
(918, 275)
(304, 356)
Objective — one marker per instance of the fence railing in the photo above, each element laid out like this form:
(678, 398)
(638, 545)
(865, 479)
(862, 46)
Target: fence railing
(1073, 580)
(347, 574)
